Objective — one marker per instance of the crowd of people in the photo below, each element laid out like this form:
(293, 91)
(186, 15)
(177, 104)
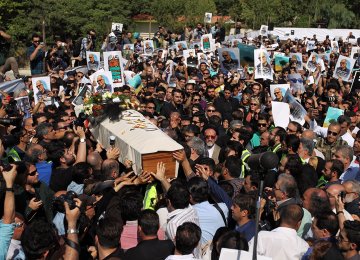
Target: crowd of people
(62, 195)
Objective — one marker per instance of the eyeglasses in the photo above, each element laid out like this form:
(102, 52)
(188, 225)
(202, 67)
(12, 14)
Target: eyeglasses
(262, 125)
(210, 136)
(150, 107)
(277, 92)
(297, 80)
(309, 103)
(206, 73)
(100, 80)
(33, 173)
(290, 131)
(211, 110)
(253, 104)
(196, 99)
(332, 133)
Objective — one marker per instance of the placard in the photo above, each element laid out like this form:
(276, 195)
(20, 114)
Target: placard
(42, 89)
(93, 60)
(113, 62)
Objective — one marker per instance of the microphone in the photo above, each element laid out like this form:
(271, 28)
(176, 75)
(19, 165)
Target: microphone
(263, 161)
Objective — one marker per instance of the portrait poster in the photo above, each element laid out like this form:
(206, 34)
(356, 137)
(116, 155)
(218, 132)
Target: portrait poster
(206, 42)
(264, 30)
(334, 46)
(343, 68)
(23, 105)
(180, 47)
(281, 113)
(278, 91)
(312, 62)
(229, 59)
(202, 58)
(281, 62)
(148, 47)
(128, 50)
(42, 89)
(297, 111)
(116, 27)
(296, 59)
(113, 62)
(332, 115)
(190, 58)
(296, 82)
(310, 45)
(93, 60)
(207, 17)
(262, 61)
(103, 81)
(355, 53)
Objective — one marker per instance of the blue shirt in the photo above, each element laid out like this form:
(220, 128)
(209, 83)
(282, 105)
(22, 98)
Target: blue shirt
(210, 219)
(37, 64)
(248, 229)
(6, 233)
(352, 173)
(44, 169)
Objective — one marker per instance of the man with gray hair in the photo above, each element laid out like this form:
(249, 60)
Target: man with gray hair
(286, 193)
(352, 198)
(198, 151)
(305, 149)
(345, 154)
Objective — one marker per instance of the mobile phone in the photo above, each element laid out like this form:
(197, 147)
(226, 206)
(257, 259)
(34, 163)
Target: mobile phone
(42, 43)
(342, 195)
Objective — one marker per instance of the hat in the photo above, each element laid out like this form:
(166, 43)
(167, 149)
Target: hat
(191, 81)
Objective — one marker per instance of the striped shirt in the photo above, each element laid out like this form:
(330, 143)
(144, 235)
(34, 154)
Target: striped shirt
(177, 218)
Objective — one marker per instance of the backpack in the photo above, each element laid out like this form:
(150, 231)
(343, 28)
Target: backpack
(77, 47)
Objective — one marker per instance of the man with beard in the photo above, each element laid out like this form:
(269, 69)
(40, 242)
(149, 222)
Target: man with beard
(61, 176)
(211, 135)
(349, 240)
(176, 105)
(352, 199)
(331, 172)
(277, 138)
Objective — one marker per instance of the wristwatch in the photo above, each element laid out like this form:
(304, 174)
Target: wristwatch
(9, 189)
(82, 140)
(72, 231)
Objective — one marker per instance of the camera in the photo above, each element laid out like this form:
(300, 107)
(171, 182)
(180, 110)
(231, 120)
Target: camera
(7, 121)
(58, 202)
(80, 120)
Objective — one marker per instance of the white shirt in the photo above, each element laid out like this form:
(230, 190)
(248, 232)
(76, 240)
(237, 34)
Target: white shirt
(211, 151)
(181, 257)
(15, 250)
(178, 217)
(282, 243)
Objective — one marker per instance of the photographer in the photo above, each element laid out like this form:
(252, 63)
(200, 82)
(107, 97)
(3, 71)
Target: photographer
(36, 54)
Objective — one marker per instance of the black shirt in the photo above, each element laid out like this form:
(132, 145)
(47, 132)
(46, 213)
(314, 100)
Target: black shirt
(154, 249)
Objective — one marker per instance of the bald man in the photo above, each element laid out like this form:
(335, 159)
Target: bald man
(333, 193)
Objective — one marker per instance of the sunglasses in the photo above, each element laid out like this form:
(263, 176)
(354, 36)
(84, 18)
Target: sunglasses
(210, 110)
(196, 99)
(262, 125)
(33, 173)
(210, 136)
(332, 133)
(253, 104)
